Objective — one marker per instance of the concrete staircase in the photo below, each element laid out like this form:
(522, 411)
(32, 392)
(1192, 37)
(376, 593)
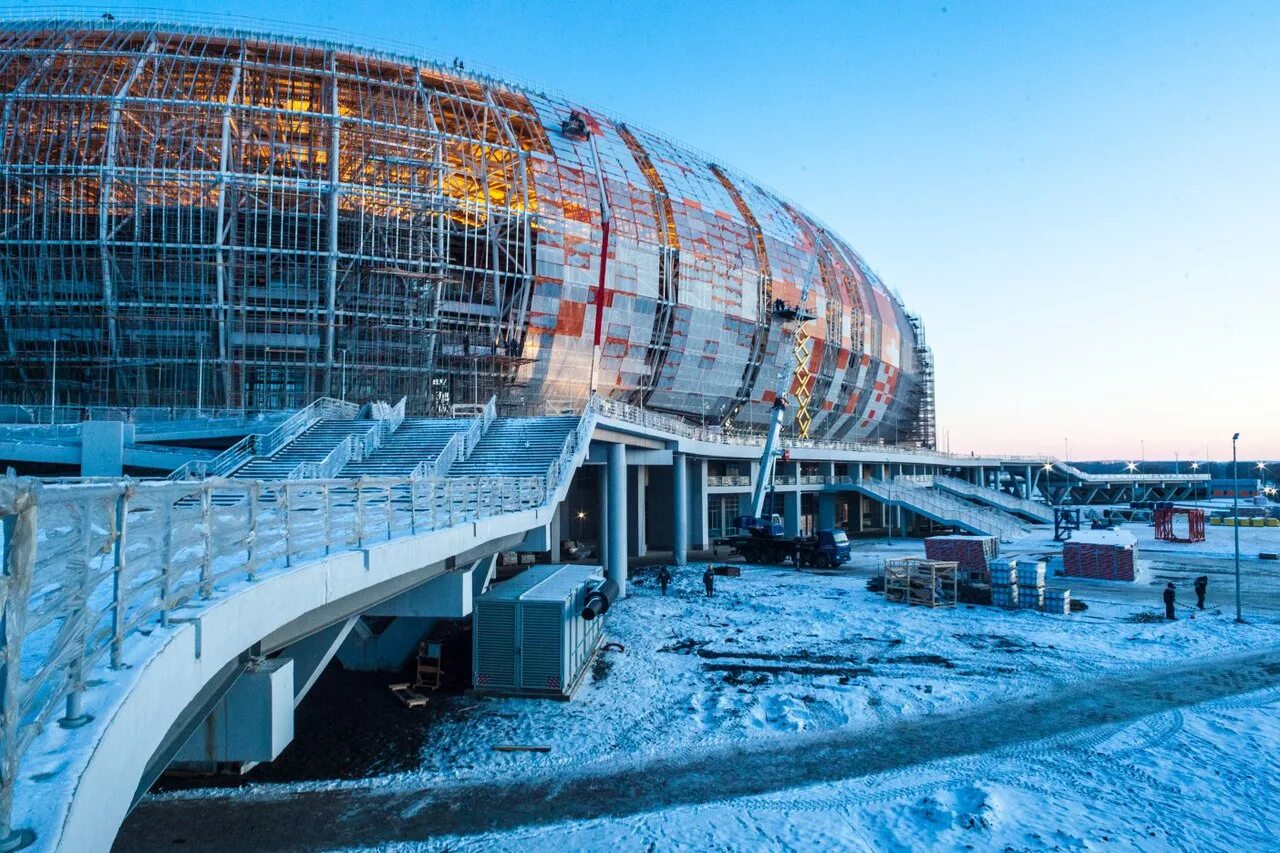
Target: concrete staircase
(311, 446)
(416, 440)
(517, 447)
(1030, 510)
(944, 508)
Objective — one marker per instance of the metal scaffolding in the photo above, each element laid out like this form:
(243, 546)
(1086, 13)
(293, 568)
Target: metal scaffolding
(209, 216)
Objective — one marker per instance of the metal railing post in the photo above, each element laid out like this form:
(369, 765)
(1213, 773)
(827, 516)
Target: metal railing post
(166, 558)
(121, 530)
(75, 716)
(448, 494)
(390, 515)
(413, 506)
(360, 512)
(255, 492)
(328, 520)
(206, 537)
(19, 526)
(288, 525)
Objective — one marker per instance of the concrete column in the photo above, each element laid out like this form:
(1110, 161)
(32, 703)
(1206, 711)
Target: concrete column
(699, 525)
(680, 488)
(826, 511)
(791, 511)
(637, 540)
(102, 448)
(616, 564)
(1028, 491)
(553, 534)
(602, 514)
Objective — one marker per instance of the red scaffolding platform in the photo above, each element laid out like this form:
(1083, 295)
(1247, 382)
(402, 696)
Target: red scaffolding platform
(1164, 524)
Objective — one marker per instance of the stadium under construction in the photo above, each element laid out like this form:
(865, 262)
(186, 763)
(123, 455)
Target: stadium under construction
(296, 338)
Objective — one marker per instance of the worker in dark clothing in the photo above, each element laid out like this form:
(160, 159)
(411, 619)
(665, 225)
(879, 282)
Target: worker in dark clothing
(709, 581)
(466, 344)
(664, 578)
(1202, 586)
(1168, 601)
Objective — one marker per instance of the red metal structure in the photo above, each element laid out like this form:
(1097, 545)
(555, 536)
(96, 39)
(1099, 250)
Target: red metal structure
(1164, 524)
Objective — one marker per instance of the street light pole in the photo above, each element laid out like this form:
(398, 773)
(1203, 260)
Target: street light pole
(1235, 511)
(53, 386)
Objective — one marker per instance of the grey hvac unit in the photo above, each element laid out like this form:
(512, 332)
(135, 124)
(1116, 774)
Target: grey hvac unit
(530, 636)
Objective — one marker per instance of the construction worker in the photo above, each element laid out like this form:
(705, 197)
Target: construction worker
(664, 578)
(709, 581)
(1168, 601)
(1202, 586)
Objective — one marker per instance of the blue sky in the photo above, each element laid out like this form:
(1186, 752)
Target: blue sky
(1082, 199)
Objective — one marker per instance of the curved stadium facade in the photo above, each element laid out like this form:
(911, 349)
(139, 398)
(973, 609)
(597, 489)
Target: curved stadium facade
(256, 221)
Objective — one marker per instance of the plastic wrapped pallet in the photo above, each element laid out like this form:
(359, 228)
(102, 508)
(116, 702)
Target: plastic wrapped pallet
(1030, 597)
(1057, 601)
(1003, 573)
(1030, 573)
(1005, 596)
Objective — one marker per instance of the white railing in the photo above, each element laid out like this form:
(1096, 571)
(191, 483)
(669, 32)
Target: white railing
(92, 567)
(258, 444)
(945, 508)
(449, 454)
(484, 417)
(1009, 502)
(574, 442)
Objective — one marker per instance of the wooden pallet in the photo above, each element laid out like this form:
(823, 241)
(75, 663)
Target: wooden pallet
(926, 583)
(410, 697)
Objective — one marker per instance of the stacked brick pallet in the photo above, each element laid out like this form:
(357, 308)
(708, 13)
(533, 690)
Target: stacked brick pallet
(971, 553)
(1091, 555)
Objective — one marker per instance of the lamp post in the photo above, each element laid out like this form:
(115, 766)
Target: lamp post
(1235, 511)
(1195, 490)
(1066, 450)
(344, 376)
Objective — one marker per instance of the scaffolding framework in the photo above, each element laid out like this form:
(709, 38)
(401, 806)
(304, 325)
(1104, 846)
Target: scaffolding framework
(256, 221)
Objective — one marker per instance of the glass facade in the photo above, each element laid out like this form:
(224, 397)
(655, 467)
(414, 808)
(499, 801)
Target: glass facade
(270, 220)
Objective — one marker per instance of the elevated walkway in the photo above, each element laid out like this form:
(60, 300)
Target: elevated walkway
(134, 607)
(940, 507)
(1030, 510)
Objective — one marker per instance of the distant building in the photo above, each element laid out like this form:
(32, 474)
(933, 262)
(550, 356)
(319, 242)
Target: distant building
(1235, 488)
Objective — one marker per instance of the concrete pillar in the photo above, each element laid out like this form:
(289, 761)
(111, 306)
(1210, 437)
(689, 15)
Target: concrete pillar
(102, 448)
(791, 511)
(826, 511)
(680, 489)
(1026, 488)
(602, 514)
(553, 534)
(312, 654)
(637, 540)
(386, 651)
(616, 564)
(252, 723)
(699, 523)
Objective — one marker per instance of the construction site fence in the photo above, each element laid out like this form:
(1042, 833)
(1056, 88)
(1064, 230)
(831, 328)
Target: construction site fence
(90, 567)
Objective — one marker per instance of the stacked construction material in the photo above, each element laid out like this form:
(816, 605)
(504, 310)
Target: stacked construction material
(1101, 554)
(1030, 584)
(930, 583)
(1057, 602)
(971, 553)
(1004, 583)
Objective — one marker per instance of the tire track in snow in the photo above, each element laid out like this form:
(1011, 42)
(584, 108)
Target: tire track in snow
(310, 820)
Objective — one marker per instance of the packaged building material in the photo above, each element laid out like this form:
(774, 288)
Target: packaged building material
(1030, 573)
(1101, 554)
(1003, 573)
(970, 553)
(1057, 602)
(1005, 596)
(1030, 597)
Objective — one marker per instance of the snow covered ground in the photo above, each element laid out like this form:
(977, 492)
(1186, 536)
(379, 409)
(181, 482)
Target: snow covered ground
(778, 657)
